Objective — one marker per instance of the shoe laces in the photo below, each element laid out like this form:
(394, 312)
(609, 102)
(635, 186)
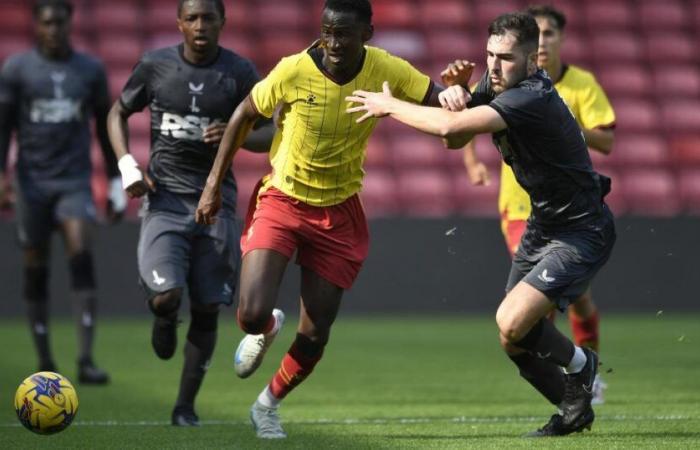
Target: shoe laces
(271, 421)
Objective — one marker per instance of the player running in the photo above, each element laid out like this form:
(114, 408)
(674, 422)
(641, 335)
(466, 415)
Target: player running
(570, 233)
(594, 114)
(48, 96)
(309, 203)
(191, 89)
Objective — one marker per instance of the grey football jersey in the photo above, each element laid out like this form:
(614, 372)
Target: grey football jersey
(184, 99)
(545, 147)
(53, 101)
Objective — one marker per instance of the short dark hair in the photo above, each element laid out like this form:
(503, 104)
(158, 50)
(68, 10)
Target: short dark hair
(522, 25)
(39, 5)
(550, 12)
(362, 8)
(218, 3)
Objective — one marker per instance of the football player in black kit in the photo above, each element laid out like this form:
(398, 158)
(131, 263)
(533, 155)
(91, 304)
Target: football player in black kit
(191, 90)
(48, 95)
(570, 232)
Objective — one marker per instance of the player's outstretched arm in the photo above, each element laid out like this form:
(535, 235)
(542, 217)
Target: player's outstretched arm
(457, 127)
(116, 199)
(237, 129)
(476, 170)
(135, 181)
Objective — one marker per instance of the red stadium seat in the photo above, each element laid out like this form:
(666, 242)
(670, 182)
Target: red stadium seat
(616, 198)
(425, 192)
(413, 150)
(447, 46)
(681, 116)
(487, 151)
(10, 46)
(15, 19)
(379, 193)
(679, 80)
(670, 15)
(394, 14)
(639, 150)
(616, 47)
(378, 153)
(124, 16)
(689, 189)
(247, 161)
(634, 114)
(409, 45)
(671, 48)
(576, 49)
(117, 80)
(575, 20)
(685, 150)
(445, 14)
(282, 15)
(486, 11)
(118, 50)
(473, 200)
(651, 192)
(608, 16)
(160, 40)
(625, 79)
(140, 125)
(272, 47)
(240, 43)
(161, 17)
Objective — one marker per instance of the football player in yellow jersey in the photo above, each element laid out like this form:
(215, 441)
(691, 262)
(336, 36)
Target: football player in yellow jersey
(595, 115)
(309, 202)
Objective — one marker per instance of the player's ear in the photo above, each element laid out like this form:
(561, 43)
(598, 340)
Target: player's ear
(368, 33)
(179, 26)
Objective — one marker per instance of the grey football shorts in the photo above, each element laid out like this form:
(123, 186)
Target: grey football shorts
(562, 264)
(176, 252)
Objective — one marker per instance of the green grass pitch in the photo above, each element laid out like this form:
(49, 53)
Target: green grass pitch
(384, 383)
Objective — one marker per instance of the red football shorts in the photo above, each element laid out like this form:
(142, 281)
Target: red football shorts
(513, 231)
(333, 241)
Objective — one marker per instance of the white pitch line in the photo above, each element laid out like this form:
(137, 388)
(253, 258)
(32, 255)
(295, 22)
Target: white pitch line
(383, 421)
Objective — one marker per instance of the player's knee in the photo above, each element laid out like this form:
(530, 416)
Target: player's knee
(36, 283)
(166, 303)
(82, 271)
(508, 327)
(205, 321)
(253, 320)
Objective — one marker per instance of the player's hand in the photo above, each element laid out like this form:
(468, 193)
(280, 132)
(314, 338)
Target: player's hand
(116, 200)
(457, 73)
(373, 104)
(478, 174)
(209, 205)
(454, 98)
(140, 188)
(214, 133)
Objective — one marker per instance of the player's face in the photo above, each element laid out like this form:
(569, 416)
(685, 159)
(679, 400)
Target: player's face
(550, 41)
(201, 24)
(343, 38)
(53, 29)
(507, 62)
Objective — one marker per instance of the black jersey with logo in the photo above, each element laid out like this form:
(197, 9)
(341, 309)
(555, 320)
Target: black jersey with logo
(52, 101)
(184, 99)
(547, 151)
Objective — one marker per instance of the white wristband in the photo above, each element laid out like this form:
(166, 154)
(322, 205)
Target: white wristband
(130, 170)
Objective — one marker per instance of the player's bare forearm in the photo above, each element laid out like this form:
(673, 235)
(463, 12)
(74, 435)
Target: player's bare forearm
(105, 145)
(118, 129)
(600, 139)
(7, 122)
(237, 130)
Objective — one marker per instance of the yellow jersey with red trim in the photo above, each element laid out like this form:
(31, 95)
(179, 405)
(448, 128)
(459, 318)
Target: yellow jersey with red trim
(591, 108)
(319, 150)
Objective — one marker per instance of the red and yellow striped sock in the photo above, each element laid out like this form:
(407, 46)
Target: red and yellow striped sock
(295, 367)
(586, 331)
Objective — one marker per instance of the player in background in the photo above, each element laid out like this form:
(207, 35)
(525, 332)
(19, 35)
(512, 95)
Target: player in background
(594, 114)
(309, 202)
(48, 96)
(191, 90)
(570, 232)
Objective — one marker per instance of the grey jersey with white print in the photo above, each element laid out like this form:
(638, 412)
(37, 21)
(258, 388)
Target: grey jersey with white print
(52, 101)
(546, 149)
(184, 100)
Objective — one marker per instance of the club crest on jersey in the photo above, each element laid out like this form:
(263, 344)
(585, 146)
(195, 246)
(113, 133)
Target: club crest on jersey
(311, 99)
(195, 90)
(58, 78)
(189, 127)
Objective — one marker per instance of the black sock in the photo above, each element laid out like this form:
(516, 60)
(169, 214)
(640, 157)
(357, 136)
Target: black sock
(198, 351)
(85, 307)
(544, 376)
(544, 341)
(38, 313)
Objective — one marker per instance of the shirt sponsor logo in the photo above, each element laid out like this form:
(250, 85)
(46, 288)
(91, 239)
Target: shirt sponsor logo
(189, 127)
(55, 110)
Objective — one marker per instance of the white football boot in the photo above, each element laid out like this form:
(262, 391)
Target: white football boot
(266, 422)
(252, 348)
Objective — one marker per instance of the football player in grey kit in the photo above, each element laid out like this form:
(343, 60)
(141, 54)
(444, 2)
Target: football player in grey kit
(47, 95)
(191, 90)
